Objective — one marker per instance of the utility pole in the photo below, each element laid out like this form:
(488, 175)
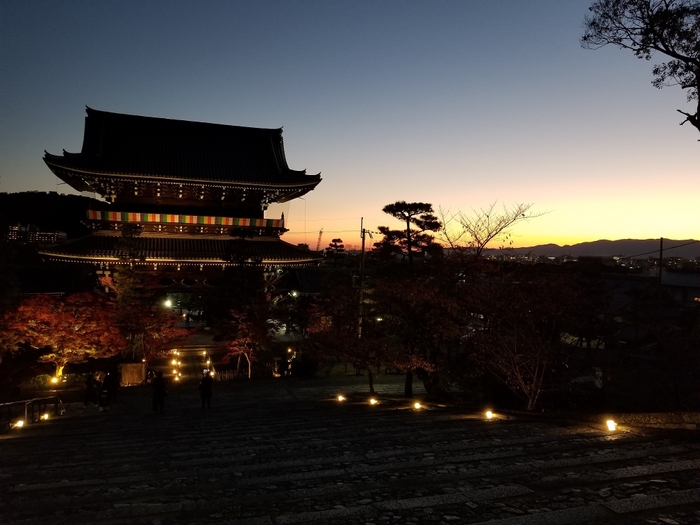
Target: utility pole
(363, 233)
(661, 258)
(661, 269)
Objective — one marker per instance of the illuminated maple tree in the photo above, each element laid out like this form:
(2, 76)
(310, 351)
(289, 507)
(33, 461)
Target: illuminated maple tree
(148, 327)
(70, 328)
(244, 335)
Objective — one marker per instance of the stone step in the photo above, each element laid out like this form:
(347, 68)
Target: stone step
(261, 459)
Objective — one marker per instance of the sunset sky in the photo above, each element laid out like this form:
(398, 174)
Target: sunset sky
(457, 103)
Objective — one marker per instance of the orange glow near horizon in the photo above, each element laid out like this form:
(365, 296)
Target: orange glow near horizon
(569, 223)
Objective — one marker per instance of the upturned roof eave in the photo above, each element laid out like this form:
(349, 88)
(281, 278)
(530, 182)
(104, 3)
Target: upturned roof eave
(50, 161)
(164, 260)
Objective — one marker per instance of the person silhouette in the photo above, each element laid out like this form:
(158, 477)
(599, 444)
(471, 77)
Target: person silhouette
(205, 388)
(91, 389)
(159, 392)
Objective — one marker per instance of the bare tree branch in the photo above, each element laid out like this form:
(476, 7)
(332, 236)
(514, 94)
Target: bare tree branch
(646, 27)
(474, 232)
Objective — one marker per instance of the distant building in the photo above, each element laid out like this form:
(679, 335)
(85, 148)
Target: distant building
(181, 195)
(32, 235)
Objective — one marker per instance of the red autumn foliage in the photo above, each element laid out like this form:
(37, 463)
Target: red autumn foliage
(148, 328)
(72, 328)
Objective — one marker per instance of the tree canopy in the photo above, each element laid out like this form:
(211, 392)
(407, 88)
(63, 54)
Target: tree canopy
(70, 328)
(647, 27)
(147, 326)
(409, 241)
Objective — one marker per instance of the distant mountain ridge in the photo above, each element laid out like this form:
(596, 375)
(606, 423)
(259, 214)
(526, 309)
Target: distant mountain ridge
(688, 249)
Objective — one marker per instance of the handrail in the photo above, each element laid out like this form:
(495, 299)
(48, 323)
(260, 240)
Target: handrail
(34, 409)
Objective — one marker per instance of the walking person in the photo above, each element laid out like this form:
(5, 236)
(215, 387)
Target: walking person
(91, 389)
(205, 387)
(159, 392)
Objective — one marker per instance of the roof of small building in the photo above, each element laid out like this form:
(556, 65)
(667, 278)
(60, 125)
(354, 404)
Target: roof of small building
(167, 149)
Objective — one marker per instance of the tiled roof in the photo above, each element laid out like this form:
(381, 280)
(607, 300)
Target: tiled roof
(130, 145)
(185, 249)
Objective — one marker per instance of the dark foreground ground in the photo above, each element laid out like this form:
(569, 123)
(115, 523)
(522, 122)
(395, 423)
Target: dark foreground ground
(284, 452)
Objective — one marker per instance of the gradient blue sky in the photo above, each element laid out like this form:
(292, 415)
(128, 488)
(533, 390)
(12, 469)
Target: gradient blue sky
(456, 103)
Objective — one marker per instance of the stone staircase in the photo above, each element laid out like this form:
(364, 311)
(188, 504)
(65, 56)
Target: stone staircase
(286, 452)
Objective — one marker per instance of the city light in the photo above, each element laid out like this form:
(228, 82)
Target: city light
(612, 426)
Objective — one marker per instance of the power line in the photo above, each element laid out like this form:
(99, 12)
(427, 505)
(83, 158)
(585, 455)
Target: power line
(665, 249)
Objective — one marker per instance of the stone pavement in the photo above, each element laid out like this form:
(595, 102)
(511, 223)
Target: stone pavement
(274, 452)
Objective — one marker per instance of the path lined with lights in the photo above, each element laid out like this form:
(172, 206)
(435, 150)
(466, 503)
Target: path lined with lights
(185, 365)
(286, 452)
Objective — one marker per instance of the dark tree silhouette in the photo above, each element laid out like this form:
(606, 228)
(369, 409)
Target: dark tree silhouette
(423, 319)
(521, 334)
(334, 326)
(646, 27)
(418, 214)
(335, 250)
